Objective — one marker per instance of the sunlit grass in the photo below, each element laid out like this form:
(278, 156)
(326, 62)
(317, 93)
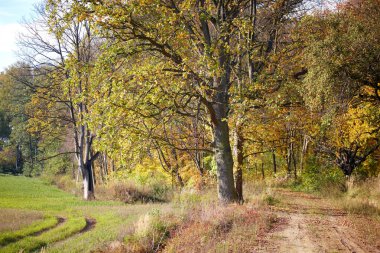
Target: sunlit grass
(32, 194)
(71, 226)
(14, 219)
(8, 237)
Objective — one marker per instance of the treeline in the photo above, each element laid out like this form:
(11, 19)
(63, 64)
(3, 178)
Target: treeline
(198, 91)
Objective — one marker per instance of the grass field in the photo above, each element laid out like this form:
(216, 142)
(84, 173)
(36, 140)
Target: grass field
(35, 215)
(41, 217)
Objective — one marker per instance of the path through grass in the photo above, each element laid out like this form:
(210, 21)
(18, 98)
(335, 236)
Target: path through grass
(33, 195)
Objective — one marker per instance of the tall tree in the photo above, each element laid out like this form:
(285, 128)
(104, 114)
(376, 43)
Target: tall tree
(197, 43)
(60, 49)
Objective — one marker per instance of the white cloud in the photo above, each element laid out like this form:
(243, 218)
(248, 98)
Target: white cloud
(9, 33)
(11, 12)
(6, 14)
(8, 43)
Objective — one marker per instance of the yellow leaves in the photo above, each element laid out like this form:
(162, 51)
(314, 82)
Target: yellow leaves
(358, 125)
(370, 91)
(361, 122)
(148, 172)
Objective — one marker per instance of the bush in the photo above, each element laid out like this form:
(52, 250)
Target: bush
(63, 182)
(146, 183)
(8, 161)
(150, 232)
(271, 200)
(318, 178)
(129, 192)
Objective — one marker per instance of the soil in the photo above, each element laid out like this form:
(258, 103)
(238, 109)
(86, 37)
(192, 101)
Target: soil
(312, 224)
(90, 224)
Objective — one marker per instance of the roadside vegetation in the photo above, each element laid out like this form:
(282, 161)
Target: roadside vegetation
(63, 224)
(190, 220)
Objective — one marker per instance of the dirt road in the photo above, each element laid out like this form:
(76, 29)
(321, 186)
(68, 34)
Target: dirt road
(310, 224)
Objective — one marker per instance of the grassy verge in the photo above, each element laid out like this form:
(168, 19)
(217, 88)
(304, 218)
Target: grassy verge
(15, 219)
(34, 195)
(196, 222)
(32, 243)
(9, 237)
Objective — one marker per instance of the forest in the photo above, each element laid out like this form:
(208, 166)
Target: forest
(224, 108)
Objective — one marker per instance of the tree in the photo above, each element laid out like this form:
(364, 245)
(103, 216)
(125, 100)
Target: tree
(197, 44)
(14, 99)
(340, 57)
(60, 49)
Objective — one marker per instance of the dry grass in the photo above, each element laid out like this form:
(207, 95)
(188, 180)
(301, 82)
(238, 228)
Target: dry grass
(217, 228)
(362, 199)
(195, 222)
(125, 191)
(362, 203)
(15, 219)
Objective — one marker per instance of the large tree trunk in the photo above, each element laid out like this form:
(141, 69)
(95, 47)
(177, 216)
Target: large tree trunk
(224, 163)
(88, 182)
(85, 160)
(222, 150)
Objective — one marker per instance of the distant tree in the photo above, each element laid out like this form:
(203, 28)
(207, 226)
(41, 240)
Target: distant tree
(340, 55)
(14, 99)
(60, 50)
(5, 129)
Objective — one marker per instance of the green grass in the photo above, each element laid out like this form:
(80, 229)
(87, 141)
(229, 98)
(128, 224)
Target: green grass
(9, 237)
(61, 232)
(112, 218)
(32, 193)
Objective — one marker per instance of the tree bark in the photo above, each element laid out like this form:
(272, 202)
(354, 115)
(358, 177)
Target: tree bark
(305, 145)
(238, 150)
(219, 117)
(224, 163)
(289, 160)
(274, 162)
(88, 182)
(18, 159)
(175, 168)
(294, 164)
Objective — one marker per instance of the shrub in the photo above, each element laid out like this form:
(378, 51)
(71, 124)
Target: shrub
(319, 178)
(129, 192)
(8, 160)
(150, 232)
(271, 200)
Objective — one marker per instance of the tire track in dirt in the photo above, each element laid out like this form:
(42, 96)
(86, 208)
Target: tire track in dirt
(90, 224)
(349, 242)
(61, 220)
(311, 227)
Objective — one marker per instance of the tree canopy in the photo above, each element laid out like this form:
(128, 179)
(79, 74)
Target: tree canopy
(205, 92)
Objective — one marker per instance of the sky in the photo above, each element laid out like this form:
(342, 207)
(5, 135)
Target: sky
(11, 15)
